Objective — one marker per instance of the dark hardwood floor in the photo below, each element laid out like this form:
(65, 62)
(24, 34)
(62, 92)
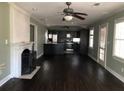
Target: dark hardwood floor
(68, 72)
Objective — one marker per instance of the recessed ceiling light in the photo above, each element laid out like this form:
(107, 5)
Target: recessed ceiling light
(96, 4)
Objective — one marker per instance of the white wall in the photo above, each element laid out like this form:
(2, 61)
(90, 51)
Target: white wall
(4, 46)
(41, 29)
(19, 31)
(14, 28)
(20, 25)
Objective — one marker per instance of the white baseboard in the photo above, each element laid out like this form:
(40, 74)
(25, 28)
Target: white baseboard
(110, 70)
(4, 80)
(115, 74)
(92, 58)
(39, 55)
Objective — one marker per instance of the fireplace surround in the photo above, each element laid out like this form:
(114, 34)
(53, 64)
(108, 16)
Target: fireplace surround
(16, 57)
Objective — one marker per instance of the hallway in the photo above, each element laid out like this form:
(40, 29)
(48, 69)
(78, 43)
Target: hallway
(68, 72)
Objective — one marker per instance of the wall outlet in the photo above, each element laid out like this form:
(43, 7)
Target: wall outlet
(122, 69)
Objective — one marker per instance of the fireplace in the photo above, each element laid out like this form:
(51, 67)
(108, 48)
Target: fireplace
(22, 59)
(26, 62)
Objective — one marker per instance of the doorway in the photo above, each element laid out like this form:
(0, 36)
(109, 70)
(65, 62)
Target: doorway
(33, 36)
(32, 33)
(102, 48)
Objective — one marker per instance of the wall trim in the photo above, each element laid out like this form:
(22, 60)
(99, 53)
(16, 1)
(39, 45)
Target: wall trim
(110, 70)
(35, 36)
(115, 74)
(39, 55)
(4, 80)
(19, 9)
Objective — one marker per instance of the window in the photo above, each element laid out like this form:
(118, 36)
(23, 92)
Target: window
(119, 40)
(50, 36)
(55, 38)
(91, 37)
(76, 40)
(68, 35)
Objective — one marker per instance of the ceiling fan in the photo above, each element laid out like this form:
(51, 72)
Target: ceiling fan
(70, 13)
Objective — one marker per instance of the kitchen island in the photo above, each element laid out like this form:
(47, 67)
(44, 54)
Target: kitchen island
(54, 48)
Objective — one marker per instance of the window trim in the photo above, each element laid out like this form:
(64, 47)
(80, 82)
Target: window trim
(92, 28)
(118, 20)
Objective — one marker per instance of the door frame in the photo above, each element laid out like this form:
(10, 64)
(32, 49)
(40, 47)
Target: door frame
(106, 43)
(35, 37)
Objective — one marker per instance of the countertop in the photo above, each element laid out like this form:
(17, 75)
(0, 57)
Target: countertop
(53, 43)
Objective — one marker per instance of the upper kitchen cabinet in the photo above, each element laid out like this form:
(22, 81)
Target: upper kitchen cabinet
(78, 34)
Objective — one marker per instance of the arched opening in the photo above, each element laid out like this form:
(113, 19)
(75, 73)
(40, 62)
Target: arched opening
(26, 62)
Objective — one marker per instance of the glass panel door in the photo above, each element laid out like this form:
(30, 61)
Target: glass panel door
(102, 44)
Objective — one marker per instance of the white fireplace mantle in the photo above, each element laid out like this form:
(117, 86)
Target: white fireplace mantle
(16, 50)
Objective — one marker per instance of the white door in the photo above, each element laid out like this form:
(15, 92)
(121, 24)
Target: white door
(102, 49)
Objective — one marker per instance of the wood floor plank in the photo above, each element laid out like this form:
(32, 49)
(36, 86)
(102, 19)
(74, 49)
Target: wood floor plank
(66, 73)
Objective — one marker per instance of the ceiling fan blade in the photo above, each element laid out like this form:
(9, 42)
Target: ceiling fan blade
(80, 13)
(79, 17)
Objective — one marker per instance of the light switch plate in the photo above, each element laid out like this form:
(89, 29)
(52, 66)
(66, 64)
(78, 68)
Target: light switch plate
(6, 41)
(0, 72)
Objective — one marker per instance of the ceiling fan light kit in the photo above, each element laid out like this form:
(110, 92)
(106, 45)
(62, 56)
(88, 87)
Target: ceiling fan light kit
(69, 13)
(68, 17)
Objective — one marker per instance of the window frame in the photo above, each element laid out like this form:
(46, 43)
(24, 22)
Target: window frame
(91, 35)
(120, 59)
(106, 43)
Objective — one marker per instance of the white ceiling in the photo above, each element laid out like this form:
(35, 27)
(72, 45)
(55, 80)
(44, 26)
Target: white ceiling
(51, 11)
